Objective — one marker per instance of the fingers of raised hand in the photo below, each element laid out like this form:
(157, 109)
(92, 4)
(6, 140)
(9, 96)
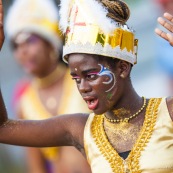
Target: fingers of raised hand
(161, 34)
(170, 38)
(164, 35)
(1, 25)
(168, 16)
(165, 24)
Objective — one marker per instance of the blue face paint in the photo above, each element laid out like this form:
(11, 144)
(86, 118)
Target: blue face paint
(106, 72)
(109, 96)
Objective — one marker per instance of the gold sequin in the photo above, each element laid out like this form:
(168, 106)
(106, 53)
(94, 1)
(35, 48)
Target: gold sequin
(131, 164)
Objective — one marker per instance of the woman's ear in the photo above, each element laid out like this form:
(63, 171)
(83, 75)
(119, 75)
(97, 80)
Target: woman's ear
(124, 69)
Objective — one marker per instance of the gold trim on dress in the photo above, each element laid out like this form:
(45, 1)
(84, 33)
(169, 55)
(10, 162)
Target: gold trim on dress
(131, 164)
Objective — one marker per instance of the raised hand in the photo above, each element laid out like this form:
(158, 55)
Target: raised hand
(1, 25)
(167, 22)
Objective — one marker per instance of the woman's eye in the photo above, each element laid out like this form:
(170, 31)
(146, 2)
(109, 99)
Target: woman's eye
(76, 79)
(92, 76)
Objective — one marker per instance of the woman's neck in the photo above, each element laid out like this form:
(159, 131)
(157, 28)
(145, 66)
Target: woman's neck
(56, 74)
(128, 105)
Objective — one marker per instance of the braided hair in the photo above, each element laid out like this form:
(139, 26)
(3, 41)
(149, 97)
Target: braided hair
(117, 10)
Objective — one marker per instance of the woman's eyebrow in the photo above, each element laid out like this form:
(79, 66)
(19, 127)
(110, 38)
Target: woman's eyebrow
(90, 70)
(86, 71)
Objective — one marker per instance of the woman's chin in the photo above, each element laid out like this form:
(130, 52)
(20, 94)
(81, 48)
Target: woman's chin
(98, 112)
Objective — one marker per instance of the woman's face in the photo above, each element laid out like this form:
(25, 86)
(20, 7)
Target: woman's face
(96, 81)
(33, 54)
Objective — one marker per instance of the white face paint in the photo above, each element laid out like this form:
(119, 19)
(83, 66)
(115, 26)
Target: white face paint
(105, 71)
(75, 69)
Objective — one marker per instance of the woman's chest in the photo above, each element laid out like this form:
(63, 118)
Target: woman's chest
(155, 157)
(152, 152)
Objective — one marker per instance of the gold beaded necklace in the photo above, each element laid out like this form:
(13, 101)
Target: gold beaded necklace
(131, 117)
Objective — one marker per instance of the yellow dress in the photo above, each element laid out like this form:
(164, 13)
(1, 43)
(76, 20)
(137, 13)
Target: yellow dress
(33, 109)
(152, 152)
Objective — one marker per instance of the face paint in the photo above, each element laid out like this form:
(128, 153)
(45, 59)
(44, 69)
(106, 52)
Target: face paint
(107, 72)
(75, 69)
(109, 96)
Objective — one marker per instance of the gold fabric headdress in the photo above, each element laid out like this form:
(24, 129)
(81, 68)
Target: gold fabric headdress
(88, 30)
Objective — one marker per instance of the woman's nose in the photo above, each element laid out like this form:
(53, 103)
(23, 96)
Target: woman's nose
(84, 86)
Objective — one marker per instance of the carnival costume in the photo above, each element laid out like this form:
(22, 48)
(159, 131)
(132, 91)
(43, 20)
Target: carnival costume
(88, 30)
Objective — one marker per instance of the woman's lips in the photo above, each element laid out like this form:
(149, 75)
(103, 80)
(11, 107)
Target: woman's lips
(92, 103)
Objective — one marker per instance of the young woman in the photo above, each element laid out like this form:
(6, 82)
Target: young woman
(125, 132)
(32, 27)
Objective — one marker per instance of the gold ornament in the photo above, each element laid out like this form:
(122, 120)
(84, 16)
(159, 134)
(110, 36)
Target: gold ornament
(118, 43)
(131, 117)
(131, 163)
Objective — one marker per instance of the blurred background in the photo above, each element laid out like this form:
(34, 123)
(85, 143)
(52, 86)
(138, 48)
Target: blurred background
(152, 77)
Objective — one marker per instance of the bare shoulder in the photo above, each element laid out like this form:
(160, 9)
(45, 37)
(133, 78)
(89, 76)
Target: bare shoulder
(77, 120)
(169, 101)
(75, 124)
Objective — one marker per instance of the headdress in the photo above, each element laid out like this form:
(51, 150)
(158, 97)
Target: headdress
(34, 16)
(88, 30)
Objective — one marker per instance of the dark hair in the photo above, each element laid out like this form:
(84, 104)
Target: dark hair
(110, 61)
(117, 10)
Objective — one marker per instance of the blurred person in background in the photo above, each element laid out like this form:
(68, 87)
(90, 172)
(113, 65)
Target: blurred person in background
(32, 27)
(164, 56)
(165, 5)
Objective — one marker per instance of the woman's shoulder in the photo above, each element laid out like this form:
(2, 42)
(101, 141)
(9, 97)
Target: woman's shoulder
(75, 120)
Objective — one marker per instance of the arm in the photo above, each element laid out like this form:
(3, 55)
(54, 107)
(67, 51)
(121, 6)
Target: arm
(167, 23)
(1, 25)
(63, 130)
(34, 159)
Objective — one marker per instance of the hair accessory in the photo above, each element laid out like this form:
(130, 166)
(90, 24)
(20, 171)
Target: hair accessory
(34, 16)
(88, 30)
(131, 117)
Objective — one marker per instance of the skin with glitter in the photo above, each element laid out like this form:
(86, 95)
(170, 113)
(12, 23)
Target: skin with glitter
(122, 112)
(68, 130)
(124, 135)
